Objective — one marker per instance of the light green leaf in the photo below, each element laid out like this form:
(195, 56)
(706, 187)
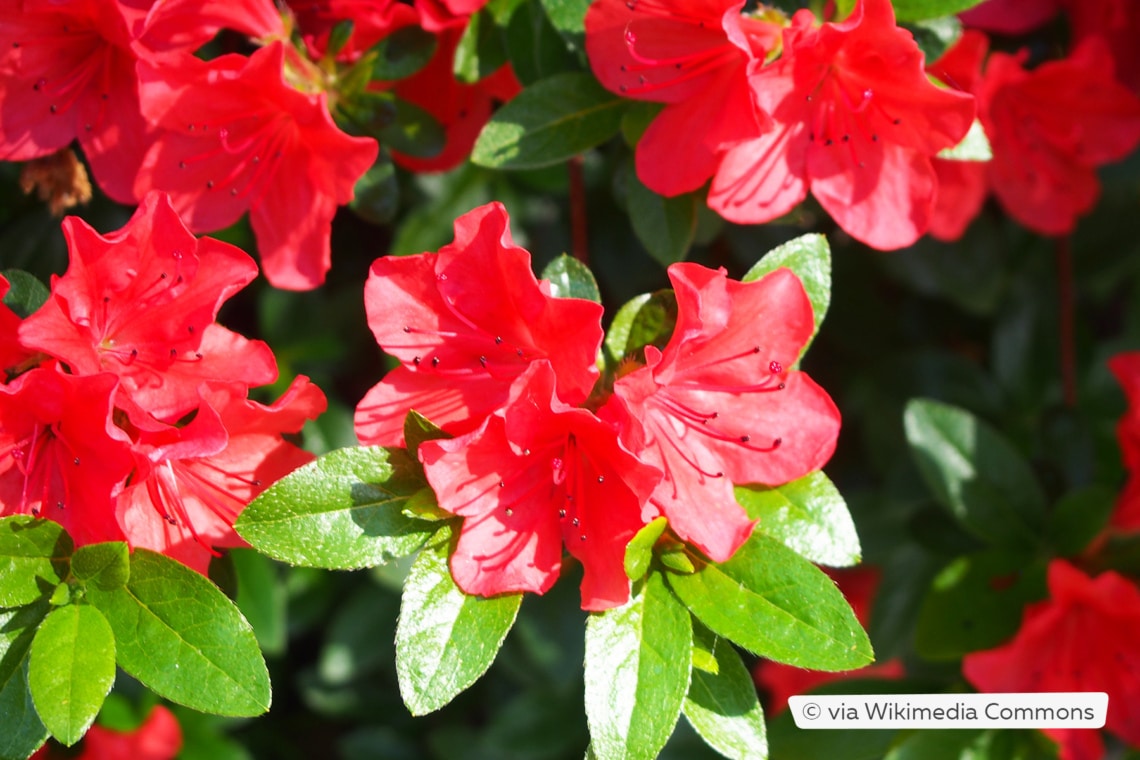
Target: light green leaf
(343, 511)
(549, 122)
(71, 670)
(809, 258)
(665, 226)
(33, 559)
(975, 146)
(639, 550)
(721, 704)
(107, 565)
(808, 515)
(638, 659)
(772, 602)
(975, 473)
(179, 635)
(647, 319)
(570, 278)
(917, 10)
(445, 639)
(569, 18)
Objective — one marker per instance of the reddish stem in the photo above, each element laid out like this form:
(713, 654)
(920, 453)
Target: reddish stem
(579, 239)
(1066, 315)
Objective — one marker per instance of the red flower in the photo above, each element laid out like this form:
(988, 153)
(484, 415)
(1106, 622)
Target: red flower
(464, 323)
(158, 738)
(11, 352)
(141, 303)
(536, 475)
(720, 405)
(1126, 367)
(236, 136)
(1050, 128)
(67, 71)
(192, 482)
(1117, 22)
(61, 456)
(1082, 638)
(1011, 16)
(372, 21)
(186, 25)
(692, 56)
(856, 122)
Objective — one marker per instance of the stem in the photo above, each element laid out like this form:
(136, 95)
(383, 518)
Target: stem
(579, 239)
(1064, 254)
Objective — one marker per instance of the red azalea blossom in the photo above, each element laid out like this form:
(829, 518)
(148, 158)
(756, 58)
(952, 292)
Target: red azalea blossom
(193, 482)
(158, 738)
(721, 406)
(692, 56)
(856, 122)
(372, 21)
(1050, 128)
(1011, 16)
(535, 476)
(11, 352)
(464, 323)
(1117, 22)
(439, 15)
(1126, 368)
(61, 456)
(1082, 638)
(236, 136)
(141, 303)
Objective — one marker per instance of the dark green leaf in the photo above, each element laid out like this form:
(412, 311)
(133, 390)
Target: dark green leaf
(638, 659)
(342, 511)
(536, 49)
(665, 226)
(917, 10)
(722, 705)
(808, 515)
(549, 122)
(402, 53)
(645, 320)
(261, 598)
(25, 294)
(107, 566)
(481, 50)
(570, 278)
(935, 36)
(33, 558)
(976, 602)
(975, 473)
(1079, 516)
(417, 429)
(396, 123)
(17, 629)
(71, 670)
(639, 550)
(377, 194)
(809, 257)
(23, 731)
(339, 36)
(445, 639)
(771, 601)
(569, 18)
(637, 119)
(184, 639)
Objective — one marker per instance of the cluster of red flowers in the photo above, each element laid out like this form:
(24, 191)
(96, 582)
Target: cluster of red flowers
(125, 415)
(543, 459)
(158, 738)
(234, 134)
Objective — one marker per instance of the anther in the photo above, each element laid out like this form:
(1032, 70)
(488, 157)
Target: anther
(601, 478)
(416, 361)
(510, 511)
(435, 361)
(575, 522)
(562, 513)
(498, 339)
(745, 438)
(775, 367)
(502, 484)
(75, 461)
(483, 361)
(407, 329)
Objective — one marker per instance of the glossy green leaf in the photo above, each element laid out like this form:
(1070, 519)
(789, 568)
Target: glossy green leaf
(569, 18)
(25, 293)
(445, 639)
(647, 319)
(104, 565)
(179, 635)
(570, 278)
(396, 123)
(665, 226)
(976, 602)
(975, 146)
(772, 602)
(342, 511)
(417, 429)
(549, 122)
(71, 670)
(975, 473)
(402, 53)
(23, 732)
(639, 550)
(722, 705)
(481, 49)
(33, 558)
(1079, 516)
(638, 659)
(809, 257)
(535, 48)
(917, 10)
(808, 515)
(376, 195)
(935, 35)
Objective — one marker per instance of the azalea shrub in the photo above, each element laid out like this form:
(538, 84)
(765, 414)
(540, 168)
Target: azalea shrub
(547, 378)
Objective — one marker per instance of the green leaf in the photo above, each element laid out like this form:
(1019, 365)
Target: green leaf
(645, 320)
(722, 705)
(184, 639)
(637, 118)
(104, 565)
(569, 18)
(26, 294)
(665, 226)
(975, 146)
(639, 550)
(975, 603)
(23, 731)
(261, 598)
(975, 473)
(809, 257)
(638, 659)
(71, 670)
(396, 123)
(535, 48)
(33, 559)
(549, 122)
(402, 53)
(417, 429)
(570, 278)
(917, 10)
(1079, 516)
(808, 515)
(445, 639)
(341, 512)
(772, 602)
(376, 195)
(481, 50)
(935, 36)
